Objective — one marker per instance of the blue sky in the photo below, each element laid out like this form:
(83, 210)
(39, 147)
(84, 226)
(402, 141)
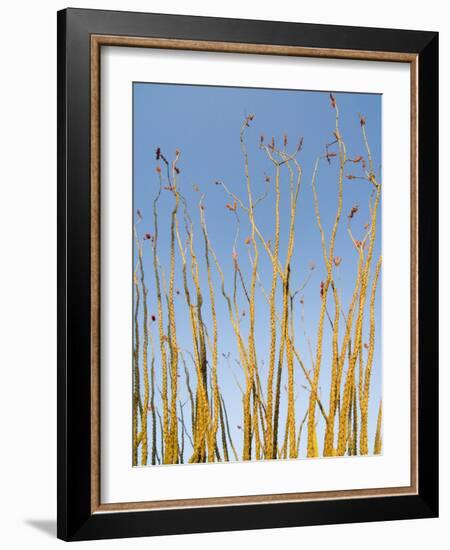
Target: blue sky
(203, 122)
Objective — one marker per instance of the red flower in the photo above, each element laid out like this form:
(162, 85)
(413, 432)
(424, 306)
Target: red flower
(147, 237)
(337, 261)
(350, 177)
(333, 101)
(285, 140)
(158, 153)
(353, 211)
(153, 318)
(357, 159)
(177, 170)
(362, 119)
(329, 155)
(322, 287)
(158, 169)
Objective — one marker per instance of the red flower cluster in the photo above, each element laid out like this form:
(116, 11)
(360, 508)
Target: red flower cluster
(356, 159)
(353, 211)
(329, 155)
(160, 156)
(249, 119)
(333, 101)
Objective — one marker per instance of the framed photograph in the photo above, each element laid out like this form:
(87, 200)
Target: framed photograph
(247, 255)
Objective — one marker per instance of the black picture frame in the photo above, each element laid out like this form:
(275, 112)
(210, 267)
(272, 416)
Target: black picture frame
(75, 518)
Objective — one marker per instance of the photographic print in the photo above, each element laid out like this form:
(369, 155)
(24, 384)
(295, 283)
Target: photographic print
(257, 274)
(238, 292)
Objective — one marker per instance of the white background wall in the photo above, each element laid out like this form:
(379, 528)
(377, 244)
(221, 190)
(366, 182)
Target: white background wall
(28, 272)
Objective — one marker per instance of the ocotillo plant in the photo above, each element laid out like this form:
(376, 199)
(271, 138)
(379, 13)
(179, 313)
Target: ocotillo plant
(292, 384)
